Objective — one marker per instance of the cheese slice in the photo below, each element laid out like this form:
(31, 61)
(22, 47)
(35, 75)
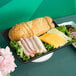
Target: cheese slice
(53, 39)
(54, 30)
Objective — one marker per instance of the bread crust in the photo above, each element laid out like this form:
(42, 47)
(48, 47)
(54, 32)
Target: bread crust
(39, 26)
(17, 32)
(50, 22)
(27, 29)
(49, 19)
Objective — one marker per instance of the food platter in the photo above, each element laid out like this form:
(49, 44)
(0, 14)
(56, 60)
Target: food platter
(5, 35)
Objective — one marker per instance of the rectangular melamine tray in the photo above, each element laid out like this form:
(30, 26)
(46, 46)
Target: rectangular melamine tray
(5, 35)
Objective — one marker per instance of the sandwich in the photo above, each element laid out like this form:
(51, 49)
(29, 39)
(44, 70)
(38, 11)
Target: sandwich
(27, 29)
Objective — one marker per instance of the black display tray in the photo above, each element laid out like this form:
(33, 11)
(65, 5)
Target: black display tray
(5, 35)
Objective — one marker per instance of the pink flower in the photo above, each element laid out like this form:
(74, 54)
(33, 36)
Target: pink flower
(7, 64)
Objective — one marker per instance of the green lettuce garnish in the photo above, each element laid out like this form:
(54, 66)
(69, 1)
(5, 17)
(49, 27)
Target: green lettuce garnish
(48, 46)
(19, 50)
(14, 44)
(63, 29)
(38, 54)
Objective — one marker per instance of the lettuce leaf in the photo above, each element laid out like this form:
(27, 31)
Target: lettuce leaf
(63, 29)
(48, 46)
(19, 50)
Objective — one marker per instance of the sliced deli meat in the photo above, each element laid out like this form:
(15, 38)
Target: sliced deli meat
(32, 46)
(26, 47)
(40, 44)
(35, 45)
(24, 50)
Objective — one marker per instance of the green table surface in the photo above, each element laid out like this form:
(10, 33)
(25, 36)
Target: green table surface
(62, 63)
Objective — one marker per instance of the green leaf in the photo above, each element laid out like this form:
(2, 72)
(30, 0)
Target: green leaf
(38, 54)
(62, 28)
(19, 51)
(25, 57)
(8, 74)
(48, 46)
(14, 44)
(74, 43)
